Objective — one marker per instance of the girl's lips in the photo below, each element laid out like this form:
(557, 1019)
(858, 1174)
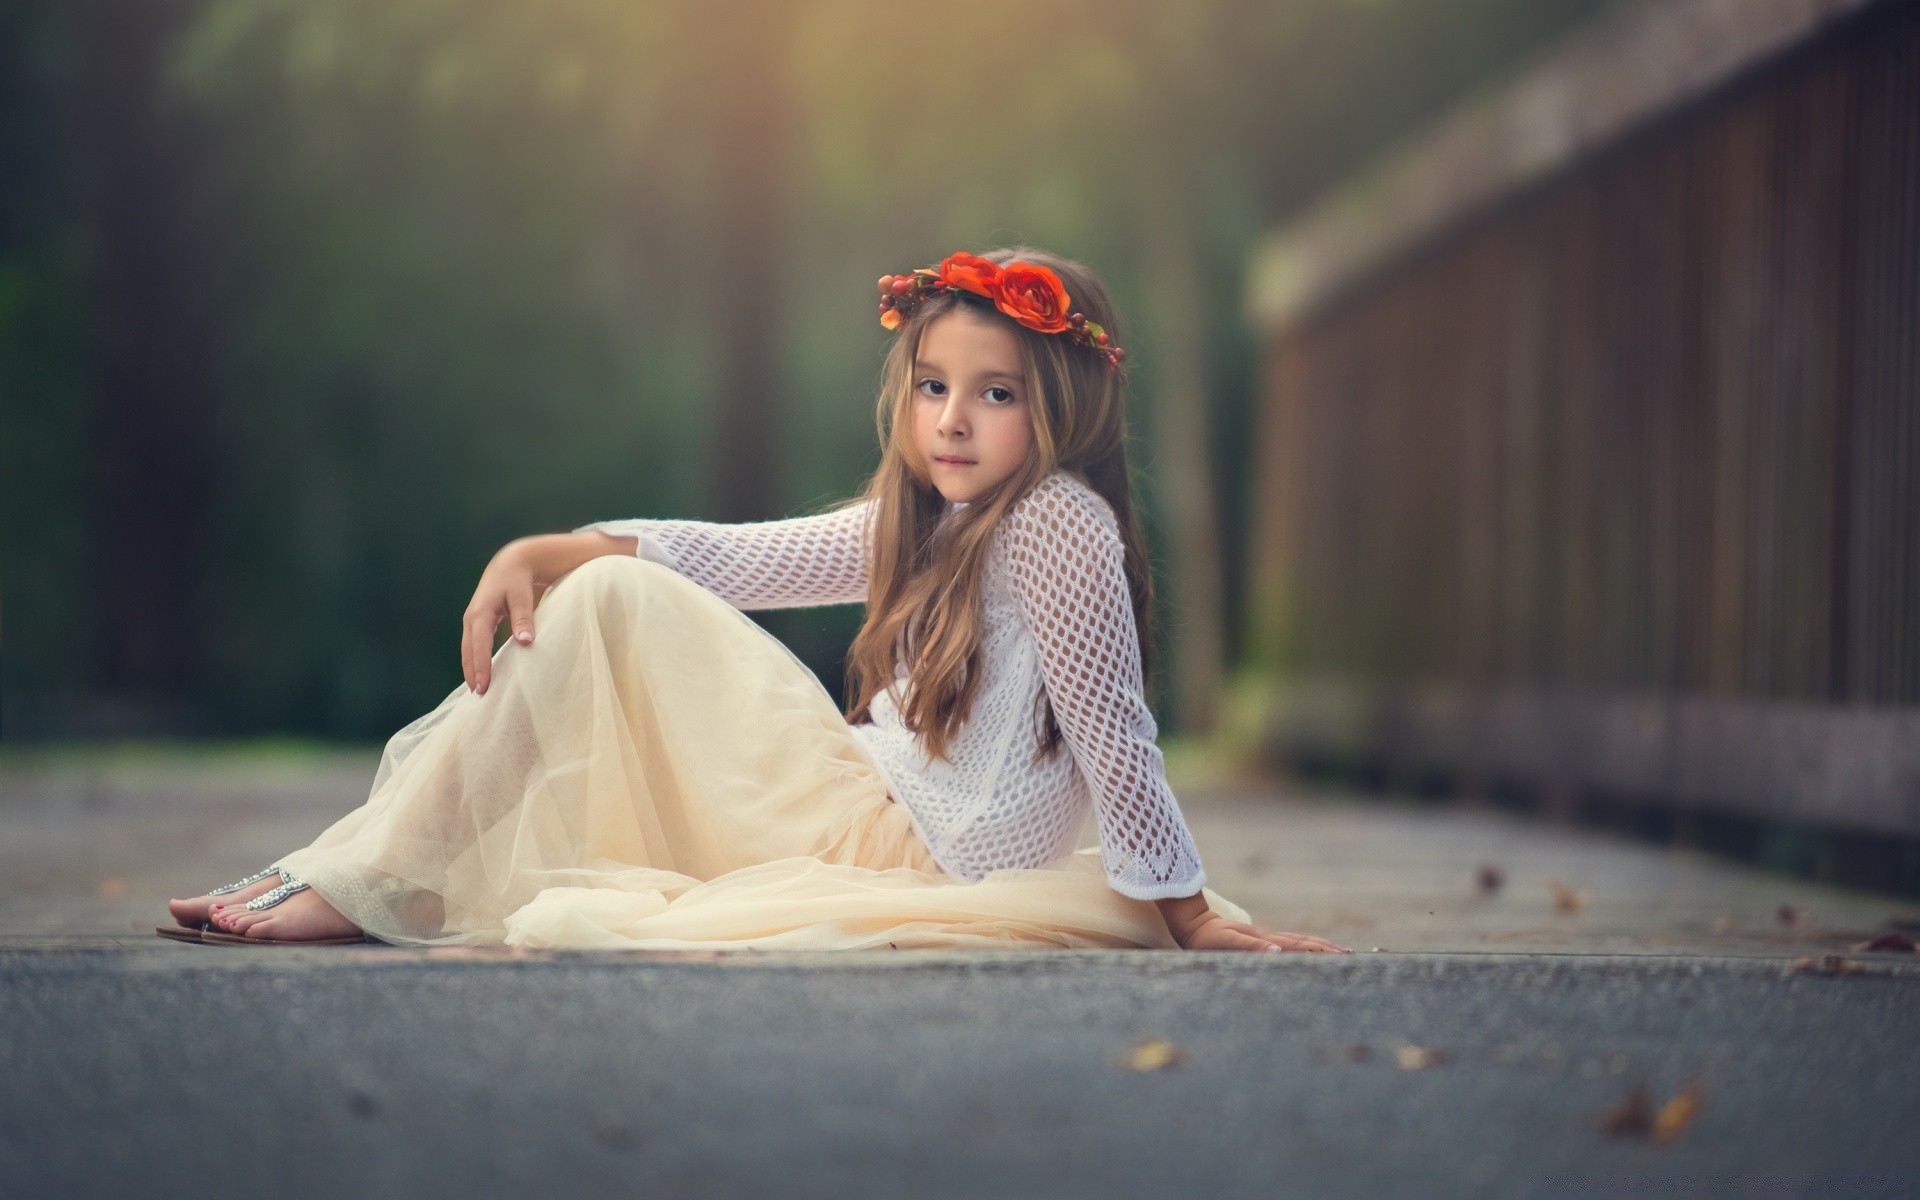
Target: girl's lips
(953, 462)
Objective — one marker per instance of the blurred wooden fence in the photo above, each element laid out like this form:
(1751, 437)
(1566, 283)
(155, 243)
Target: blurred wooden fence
(1590, 435)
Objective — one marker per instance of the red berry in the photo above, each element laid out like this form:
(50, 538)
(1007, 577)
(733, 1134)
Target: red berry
(1101, 338)
(1118, 354)
(902, 286)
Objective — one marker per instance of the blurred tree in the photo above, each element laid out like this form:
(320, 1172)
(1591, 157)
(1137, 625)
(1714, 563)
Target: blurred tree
(755, 135)
(412, 277)
(152, 461)
(46, 344)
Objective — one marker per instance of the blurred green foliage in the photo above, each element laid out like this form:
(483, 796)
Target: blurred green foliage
(456, 266)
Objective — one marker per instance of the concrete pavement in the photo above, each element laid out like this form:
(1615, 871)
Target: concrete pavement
(1484, 1049)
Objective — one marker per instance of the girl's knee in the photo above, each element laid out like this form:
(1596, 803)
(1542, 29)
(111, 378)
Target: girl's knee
(616, 571)
(622, 589)
(594, 582)
(603, 567)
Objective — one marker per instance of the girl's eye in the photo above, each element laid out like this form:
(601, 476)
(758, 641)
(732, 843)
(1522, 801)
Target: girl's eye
(1003, 396)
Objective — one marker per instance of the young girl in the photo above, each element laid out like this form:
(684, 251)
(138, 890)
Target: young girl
(656, 771)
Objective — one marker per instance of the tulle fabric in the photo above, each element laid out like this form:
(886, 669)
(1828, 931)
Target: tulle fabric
(658, 772)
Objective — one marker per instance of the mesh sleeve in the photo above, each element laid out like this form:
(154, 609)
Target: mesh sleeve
(798, 562)
(1067, 568)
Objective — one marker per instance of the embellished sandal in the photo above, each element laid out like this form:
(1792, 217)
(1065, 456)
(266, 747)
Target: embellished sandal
(193, 933)
(266, 900)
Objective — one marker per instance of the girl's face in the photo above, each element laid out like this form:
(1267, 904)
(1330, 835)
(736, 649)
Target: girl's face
(970, 419)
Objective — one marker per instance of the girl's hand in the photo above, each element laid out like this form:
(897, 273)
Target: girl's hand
(505, 591)
(1215, 932)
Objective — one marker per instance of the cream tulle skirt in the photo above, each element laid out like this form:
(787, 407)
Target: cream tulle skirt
(658, 772)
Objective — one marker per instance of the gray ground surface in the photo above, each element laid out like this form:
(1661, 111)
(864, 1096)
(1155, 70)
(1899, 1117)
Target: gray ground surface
(1475, 1053)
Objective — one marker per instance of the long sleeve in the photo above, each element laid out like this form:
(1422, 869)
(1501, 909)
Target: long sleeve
(793, 563)
(1067, 569)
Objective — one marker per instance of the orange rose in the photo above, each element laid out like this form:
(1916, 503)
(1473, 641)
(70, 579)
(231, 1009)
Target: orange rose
(970, 271)
(1032, 295)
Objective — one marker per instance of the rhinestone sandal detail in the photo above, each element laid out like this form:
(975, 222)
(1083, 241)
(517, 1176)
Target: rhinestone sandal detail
(193, 933)
(266, 900)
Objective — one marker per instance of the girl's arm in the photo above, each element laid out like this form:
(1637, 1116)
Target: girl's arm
(1068, 570)
(798, 562)
(1067, 566)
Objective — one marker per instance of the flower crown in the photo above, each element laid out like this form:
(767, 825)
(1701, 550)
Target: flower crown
(1028, 292)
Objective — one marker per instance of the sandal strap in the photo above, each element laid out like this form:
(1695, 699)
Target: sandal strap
(249, 881)
(269, 899)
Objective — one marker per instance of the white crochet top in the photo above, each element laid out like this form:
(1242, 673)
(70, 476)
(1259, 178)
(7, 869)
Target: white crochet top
(1057, 615)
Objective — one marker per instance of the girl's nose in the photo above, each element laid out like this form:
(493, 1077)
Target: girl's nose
(953, 420)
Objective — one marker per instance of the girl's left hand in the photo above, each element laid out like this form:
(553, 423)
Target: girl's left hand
(1219, 933)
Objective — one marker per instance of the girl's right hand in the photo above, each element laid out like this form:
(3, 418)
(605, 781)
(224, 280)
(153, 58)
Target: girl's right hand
(505, 592)
(1220, 933)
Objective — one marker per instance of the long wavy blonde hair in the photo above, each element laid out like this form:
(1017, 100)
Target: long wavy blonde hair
(923, 595)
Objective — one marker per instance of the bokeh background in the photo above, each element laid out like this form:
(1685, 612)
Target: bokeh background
(1526, 403)
(308, 307)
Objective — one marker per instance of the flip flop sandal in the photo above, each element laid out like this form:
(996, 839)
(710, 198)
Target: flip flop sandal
(266, 900)
(214, 938)
(197, 933)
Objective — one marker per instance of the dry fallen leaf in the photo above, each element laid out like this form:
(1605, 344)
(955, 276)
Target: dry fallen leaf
(1631, 1115)
(1490, 878)
(1788, 914)
(1677, 1114)
(1828, 964)
(1152, 1054)
(1887, 941)
(1565, 899)
(1415, 1058)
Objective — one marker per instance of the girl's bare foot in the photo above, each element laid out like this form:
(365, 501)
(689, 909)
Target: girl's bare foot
(301, 917)
(191, 914)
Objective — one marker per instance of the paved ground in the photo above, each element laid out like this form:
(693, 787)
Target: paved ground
(1480, 1050)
